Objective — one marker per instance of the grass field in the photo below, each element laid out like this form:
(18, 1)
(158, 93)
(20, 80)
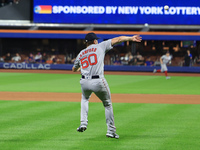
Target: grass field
(30, 82)
(31, 125)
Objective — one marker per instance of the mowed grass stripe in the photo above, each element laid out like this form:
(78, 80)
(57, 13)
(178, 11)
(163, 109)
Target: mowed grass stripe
(6, 105)
(153, 84)
(96, 132)
(30, 117)
(69, 83)
(52, 125)
(189, 130)
(15, 108)
(151, 125)
(159, 126)
(31, 82)
(135, 126)
(36, 125)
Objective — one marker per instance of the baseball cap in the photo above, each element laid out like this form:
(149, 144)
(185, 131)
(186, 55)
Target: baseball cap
(91, 36)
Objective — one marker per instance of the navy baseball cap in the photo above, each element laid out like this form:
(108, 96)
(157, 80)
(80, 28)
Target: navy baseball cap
(91, 36)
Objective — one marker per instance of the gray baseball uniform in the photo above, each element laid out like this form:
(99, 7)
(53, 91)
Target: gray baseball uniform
(91, 61)
(165, 60)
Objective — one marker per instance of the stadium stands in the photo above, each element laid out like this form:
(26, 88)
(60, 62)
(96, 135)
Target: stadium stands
(64, 40)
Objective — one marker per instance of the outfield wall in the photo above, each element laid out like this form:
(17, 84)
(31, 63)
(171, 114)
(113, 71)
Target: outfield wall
(72, 34)
(107, 67)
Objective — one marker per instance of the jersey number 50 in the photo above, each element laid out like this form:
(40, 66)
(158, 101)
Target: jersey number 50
(90, 60)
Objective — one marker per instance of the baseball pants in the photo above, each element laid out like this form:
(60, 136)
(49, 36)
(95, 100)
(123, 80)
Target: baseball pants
(163, 67)
(101, 89)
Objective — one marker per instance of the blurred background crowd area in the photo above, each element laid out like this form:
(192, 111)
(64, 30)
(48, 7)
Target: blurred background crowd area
(64, 51)
(6, 2)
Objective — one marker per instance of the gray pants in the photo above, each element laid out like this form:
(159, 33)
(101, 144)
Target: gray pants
(163, 67)
(101, 89)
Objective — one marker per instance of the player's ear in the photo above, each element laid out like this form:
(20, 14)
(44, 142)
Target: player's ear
(95, 41)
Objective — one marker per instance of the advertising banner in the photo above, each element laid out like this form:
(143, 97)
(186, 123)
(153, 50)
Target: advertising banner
(180, 12)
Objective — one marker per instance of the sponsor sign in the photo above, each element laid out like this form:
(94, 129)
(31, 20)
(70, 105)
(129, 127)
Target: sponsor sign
(26, 66)
(180, 12)
(43, 9)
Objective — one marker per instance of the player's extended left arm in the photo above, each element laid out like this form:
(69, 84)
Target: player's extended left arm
(76, 69)
(161, 60)
(135, 38)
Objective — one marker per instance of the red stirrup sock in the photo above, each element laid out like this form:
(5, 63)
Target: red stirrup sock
(158, 70)
(166, 73)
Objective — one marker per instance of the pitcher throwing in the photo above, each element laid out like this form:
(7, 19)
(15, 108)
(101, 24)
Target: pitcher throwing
(90, 61)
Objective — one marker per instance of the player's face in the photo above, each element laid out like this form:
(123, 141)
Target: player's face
(95, 42)
(167, 54)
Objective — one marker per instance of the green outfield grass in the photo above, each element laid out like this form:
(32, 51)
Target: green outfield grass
(31, 82)
(52, 126)
(31, 125)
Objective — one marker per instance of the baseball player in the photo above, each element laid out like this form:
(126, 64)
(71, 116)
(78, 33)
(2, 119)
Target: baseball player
(163, 63)
(90, 61)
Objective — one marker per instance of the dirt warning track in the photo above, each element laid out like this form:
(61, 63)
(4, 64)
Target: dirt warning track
(116, 98)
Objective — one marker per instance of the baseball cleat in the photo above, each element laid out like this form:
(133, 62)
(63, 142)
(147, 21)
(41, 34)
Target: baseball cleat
(154, 71)
(167, 77)
(81, 128)
(112, 135)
